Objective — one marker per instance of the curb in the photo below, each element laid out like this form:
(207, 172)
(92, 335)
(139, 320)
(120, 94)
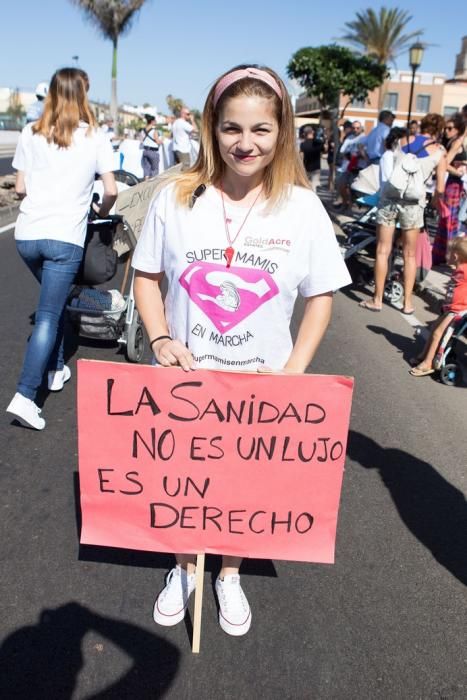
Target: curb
(8, 215)
(433, 295)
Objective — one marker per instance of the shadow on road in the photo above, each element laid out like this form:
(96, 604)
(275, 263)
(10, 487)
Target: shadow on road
(44, 660)
(432, 509)
(409, 347)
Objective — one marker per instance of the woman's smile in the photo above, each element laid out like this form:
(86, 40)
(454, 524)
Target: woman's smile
(244, 157)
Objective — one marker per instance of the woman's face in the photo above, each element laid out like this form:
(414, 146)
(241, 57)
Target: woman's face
(451, 130)
(247, 134)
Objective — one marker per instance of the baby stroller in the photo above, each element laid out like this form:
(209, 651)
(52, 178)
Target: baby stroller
(446, 359)
(95, 312)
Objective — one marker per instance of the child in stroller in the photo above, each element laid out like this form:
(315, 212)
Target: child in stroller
(439, 351)
(103, 314)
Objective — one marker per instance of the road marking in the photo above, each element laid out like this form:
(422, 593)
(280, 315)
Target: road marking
(6, 228)
(413, 321)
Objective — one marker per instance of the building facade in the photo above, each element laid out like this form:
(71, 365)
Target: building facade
(433, 92)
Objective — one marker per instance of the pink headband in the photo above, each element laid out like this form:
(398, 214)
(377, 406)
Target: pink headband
(235, 75)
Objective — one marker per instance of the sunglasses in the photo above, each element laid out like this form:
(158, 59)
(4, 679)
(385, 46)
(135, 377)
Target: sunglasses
(449, 128)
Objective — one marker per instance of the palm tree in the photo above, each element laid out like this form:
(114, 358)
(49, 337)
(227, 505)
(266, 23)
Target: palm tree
(113, 19)
(381, 36)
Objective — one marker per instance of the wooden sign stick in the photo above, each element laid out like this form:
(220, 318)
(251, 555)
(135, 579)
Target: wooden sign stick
(198, 602)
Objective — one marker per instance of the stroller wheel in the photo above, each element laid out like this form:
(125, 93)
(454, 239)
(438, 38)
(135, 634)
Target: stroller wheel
(135, 340)
(449, 374)
(393, 291)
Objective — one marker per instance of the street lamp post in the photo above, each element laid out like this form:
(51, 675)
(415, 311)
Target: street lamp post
(415, 60)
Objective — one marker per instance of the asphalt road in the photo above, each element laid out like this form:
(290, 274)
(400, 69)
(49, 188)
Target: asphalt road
(386, 621)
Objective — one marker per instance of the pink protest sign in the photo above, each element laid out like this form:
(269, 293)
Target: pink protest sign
(218, 462)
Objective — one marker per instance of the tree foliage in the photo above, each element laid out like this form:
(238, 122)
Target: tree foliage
(380, 35)
(15, 107)
(113, 18)
(174, 104)
(326, 71)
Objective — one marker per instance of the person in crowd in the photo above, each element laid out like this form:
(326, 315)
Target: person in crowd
(107, 128)
(408, 214)
(448, 224)
(56, 160)
(373, 144)
(150, 143)
(347, 132)
(182, 130)
(329, 147)
(344, 132)
(36, 109)
(456, 302)
(386, 163)
(248, 180)
(414, 128)
(464, 113)
(311, 149)
(351, 164)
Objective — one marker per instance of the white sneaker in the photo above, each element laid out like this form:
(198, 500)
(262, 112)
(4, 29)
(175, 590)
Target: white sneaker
(234, 610)
(171, 603)
(56, 380)
(26, 412)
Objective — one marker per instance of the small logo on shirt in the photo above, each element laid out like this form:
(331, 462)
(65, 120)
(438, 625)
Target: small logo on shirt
(268, 243)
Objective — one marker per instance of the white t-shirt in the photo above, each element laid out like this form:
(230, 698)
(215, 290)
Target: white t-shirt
(149, 138)
(59, 183)
(181, 131)
(238, 318)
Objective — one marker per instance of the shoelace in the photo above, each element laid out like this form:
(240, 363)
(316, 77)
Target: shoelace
(235, 588)
(170, 590)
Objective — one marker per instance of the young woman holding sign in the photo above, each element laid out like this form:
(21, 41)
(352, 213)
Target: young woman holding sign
(238, 235)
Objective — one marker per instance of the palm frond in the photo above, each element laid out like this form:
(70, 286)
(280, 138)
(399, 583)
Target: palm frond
(380, 35)
(112, 18)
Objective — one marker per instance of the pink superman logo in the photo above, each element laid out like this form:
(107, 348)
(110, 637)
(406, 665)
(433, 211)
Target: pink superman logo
(227, 296)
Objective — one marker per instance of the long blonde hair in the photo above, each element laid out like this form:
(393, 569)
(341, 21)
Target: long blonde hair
(65, 106)
(285, 169)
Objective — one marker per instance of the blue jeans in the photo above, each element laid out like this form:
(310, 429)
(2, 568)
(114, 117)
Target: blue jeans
(54, 264)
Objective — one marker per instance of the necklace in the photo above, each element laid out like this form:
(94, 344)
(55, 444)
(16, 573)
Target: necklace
(229, 252)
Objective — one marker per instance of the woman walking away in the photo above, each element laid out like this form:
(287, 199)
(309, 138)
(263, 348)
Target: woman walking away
(394, 207)
(150, 145)
(448, 226)
(248, 184)
(56, 160)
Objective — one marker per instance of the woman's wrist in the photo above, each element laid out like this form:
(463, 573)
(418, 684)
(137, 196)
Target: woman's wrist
(160, 340)
(294, 367)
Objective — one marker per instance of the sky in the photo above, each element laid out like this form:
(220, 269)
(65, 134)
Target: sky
(180, 47)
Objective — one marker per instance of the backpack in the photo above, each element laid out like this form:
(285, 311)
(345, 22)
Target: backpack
(407, 180)
(99, 263)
